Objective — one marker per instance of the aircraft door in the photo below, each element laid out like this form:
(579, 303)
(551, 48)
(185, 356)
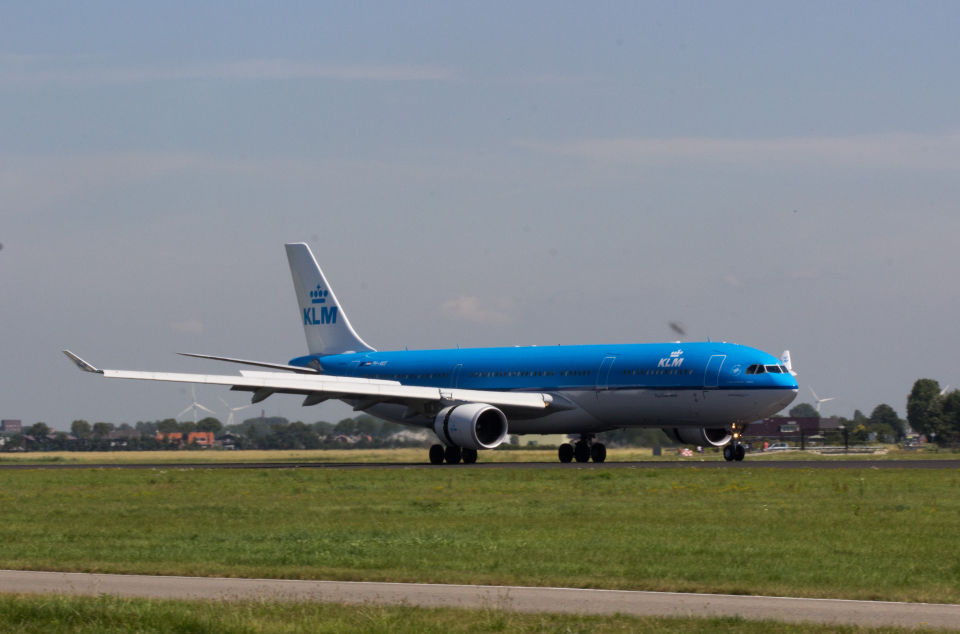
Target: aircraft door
(603, 374)
(711, 377)
(455, 375)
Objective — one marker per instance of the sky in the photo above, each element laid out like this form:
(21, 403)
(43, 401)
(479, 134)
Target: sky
(779, 175)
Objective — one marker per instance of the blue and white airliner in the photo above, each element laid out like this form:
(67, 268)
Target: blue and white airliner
(701, 393)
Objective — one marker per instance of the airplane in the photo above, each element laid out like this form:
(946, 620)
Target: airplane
(699, 393)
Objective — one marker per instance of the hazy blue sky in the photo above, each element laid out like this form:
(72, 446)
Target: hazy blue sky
(475, 174)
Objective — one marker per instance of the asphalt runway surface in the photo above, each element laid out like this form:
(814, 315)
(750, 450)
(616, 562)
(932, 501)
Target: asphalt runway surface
(651, 464)
(514, 598)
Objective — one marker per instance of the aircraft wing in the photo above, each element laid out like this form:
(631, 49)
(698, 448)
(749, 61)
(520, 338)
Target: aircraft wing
(320, 387)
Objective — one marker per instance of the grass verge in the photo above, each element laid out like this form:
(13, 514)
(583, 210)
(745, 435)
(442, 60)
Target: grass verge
(104, 615)
(419, 456)
(865, 534)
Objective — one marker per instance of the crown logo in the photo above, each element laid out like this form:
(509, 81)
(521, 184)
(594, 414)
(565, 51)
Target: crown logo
(318, 295)
(675, 354)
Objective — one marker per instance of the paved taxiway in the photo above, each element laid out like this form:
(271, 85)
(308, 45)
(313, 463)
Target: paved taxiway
(691, 464)
(516, 598)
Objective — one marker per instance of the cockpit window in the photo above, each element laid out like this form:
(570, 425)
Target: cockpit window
(775, 369)
(756, 368)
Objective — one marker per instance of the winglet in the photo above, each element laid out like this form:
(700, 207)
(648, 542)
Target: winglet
(80, 363)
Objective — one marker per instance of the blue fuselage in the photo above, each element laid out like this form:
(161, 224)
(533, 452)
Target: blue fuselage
(653, 384)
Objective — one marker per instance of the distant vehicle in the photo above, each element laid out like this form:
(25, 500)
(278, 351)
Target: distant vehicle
(700, 393)
(778, 446)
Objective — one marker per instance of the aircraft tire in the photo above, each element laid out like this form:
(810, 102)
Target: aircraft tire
(436, 454)
(728, 453)
(581, 451)
(452, 455)
(469, 455)
(598, 452)
(739, 453)
(565, 452)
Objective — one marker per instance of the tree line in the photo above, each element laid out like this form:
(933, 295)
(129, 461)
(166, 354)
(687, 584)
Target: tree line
(935, 412)
(253, 433)
(931, 411)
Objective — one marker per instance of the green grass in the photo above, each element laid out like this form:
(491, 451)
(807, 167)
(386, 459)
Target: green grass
(104, 615)
(867, 534)
(419, 455)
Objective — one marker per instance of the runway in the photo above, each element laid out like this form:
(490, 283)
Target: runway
(514, 598)
(650, 464)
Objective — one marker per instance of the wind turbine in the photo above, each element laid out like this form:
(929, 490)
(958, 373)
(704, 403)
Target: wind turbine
(232, 410)
(819, 400)
(195, 405)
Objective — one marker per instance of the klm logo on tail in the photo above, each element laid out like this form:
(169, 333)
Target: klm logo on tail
(328, 314)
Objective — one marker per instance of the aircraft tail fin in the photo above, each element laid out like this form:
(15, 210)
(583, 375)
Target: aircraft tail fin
(325, 323)
(786, 362)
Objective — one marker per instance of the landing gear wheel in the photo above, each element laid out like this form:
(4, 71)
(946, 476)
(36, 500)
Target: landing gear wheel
(436, 454)
(598, 452)
(728, 453)
(469, 455)
(581, 451)
(565, 452)
(739, 453)
(452, 455)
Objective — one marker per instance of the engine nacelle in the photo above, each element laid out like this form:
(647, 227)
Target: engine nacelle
(471, 426)
(700, 436)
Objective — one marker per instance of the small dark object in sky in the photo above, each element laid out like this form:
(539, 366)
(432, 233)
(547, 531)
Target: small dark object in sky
(678, 328)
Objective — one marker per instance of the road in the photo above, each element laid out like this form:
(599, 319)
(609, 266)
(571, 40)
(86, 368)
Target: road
(516, 598)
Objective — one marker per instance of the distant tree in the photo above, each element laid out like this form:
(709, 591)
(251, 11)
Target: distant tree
(346, 426)
(80, 428)
(146, 428)
(950, 419)
(16, 442)
(102, 430)
(167, 426)
(39, 431)
(924, 408)
(367, 425)
(804, 410)
(322, 427)
(210, 424)
(884, 421)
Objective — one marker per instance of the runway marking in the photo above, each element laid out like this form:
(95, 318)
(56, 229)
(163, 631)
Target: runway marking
(513, 598)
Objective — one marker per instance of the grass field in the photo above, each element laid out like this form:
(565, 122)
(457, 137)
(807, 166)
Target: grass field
(105, 615)
(869, 534)
(419, 455)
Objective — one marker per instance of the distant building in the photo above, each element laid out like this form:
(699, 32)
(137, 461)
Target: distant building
(200, 438)
(11, 426)
(174, 437)
(792, 427)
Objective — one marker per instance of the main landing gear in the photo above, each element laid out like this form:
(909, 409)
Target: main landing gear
(583, 450)
(734, 449)
(452, 455)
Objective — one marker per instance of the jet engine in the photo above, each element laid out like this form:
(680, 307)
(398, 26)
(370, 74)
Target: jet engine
(471, 426)
(700, 436)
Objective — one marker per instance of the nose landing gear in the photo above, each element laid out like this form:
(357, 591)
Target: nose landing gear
(735, 450)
